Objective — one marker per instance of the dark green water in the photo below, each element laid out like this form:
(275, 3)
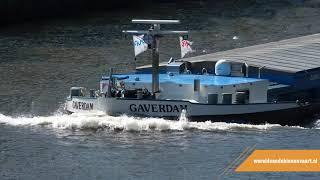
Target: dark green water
(39, 61)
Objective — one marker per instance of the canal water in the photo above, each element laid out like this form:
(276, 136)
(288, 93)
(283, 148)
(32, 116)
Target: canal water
(41, 60)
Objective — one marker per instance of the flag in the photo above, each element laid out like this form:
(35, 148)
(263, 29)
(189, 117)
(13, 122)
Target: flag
(185, 46)
(139, 44)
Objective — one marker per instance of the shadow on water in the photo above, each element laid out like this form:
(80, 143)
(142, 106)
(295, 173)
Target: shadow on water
(14, 11)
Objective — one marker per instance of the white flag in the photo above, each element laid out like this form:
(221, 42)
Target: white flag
(185, 46)
(139, 44)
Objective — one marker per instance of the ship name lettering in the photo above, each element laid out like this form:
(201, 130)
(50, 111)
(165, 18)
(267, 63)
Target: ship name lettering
(156, 108)
(82, 105)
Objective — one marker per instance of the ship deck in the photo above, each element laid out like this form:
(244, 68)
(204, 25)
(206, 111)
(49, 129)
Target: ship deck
(188, 79)
(290, 55)
(294, 62)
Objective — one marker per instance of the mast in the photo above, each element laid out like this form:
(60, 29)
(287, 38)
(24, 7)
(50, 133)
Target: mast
(155, 33)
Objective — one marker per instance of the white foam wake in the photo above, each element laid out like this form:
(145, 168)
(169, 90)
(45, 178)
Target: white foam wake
(316, 124)
(125, 123)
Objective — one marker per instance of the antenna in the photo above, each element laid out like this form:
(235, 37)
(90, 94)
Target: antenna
(152, 21)
(155, 33)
